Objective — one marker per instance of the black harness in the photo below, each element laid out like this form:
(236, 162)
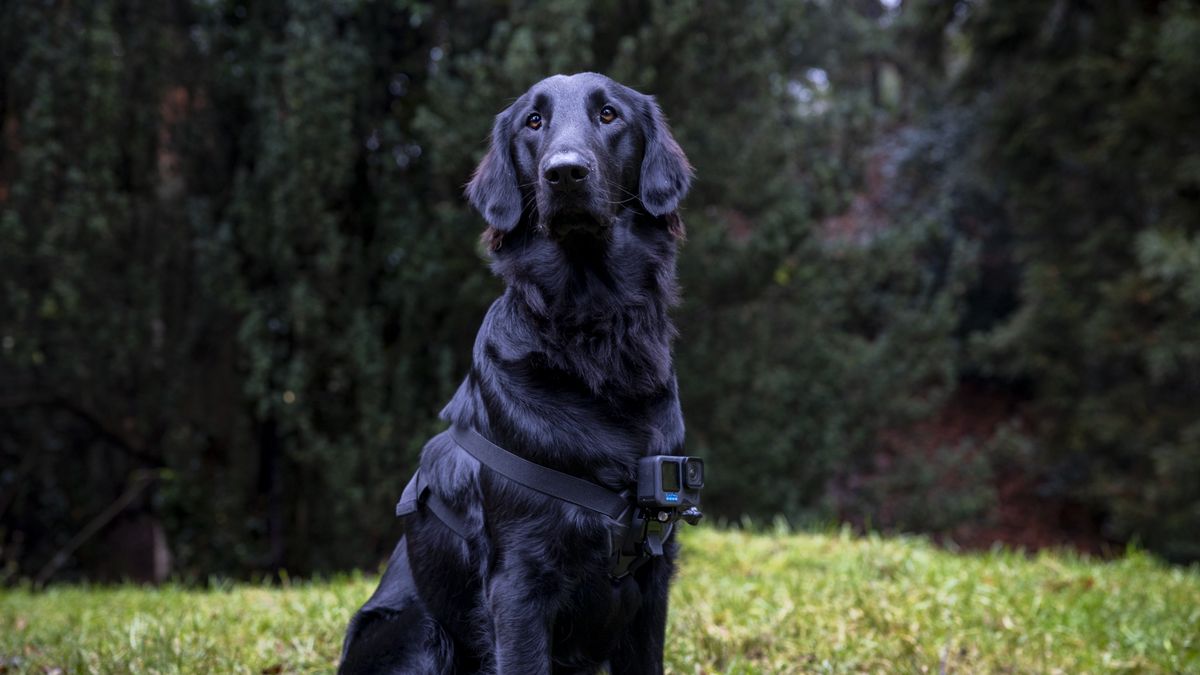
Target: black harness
(637, 536)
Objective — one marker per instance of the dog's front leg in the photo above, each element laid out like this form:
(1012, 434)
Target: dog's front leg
(523, 614)
(640, 651)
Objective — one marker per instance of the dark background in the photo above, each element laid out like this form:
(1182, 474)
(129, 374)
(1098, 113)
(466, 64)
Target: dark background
(943, 273)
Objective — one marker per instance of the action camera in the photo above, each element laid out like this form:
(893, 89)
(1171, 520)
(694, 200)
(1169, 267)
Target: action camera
(669, 482)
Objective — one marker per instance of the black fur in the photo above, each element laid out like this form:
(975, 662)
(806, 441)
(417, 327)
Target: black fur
(571, 369)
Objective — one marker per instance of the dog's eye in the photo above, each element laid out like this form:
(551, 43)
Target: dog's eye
(608, 114)
(534, 121)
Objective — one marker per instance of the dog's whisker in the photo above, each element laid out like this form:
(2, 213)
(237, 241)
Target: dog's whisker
(619, 187)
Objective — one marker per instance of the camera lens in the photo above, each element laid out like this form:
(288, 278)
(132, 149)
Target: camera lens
(694, 473)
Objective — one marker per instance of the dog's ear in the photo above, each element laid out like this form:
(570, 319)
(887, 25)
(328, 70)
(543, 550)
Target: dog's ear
(493, 188)
(666, 173)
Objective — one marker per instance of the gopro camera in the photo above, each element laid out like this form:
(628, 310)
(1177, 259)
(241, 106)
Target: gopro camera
(669, 482)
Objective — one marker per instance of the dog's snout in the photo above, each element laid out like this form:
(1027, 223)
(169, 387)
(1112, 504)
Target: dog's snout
(565, 170)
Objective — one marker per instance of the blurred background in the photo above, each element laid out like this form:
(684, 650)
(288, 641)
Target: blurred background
(942, 276)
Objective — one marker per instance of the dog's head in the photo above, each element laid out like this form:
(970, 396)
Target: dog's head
(575, 152)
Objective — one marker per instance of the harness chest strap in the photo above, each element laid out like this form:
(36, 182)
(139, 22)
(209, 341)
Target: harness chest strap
(543, 479)
(534, 476)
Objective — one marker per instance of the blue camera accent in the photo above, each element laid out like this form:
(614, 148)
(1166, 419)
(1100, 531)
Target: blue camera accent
(672, 496)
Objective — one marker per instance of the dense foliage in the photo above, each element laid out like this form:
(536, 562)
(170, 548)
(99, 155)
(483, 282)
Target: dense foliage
(238, 278)
(1082, 161)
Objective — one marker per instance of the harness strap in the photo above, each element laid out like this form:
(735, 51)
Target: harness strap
(631, 543)
(540, 478)
(417, 492)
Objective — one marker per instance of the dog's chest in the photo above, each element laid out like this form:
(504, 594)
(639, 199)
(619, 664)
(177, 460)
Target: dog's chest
(588, 626)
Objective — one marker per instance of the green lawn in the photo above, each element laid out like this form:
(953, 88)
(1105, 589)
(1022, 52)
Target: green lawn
(742, 604)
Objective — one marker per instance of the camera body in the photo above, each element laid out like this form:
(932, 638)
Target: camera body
(668, 490)
(669, 482)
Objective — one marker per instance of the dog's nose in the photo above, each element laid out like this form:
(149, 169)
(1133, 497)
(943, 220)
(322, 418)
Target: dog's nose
(565, 170)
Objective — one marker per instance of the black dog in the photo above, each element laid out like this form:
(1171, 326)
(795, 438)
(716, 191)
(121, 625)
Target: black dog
(572, 370)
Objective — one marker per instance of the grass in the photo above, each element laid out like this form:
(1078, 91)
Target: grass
(743, 603)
